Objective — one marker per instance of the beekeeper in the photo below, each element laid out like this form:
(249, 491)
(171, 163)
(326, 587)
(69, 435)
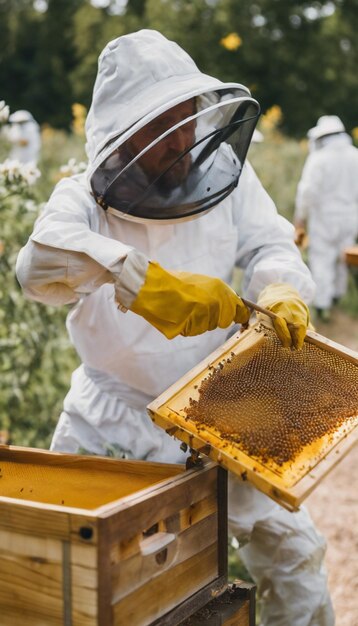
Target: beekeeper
(143, 246)
(257, 136)
(23, 133)
(327, 205)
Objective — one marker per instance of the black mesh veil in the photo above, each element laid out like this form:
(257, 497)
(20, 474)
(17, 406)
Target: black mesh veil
(172, 169)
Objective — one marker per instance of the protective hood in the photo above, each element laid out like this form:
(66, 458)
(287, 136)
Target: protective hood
(141, 77)
(326, 125)
(21, 117)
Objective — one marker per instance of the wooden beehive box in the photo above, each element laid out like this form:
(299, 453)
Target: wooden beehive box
(89, 541)
(288, 483)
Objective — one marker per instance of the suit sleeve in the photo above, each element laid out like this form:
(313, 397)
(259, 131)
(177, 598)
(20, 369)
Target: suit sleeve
(66, 257)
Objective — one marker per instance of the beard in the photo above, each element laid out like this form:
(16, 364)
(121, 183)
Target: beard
(175, 175)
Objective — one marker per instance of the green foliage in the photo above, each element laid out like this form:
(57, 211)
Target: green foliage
(349, 302)
(278, 161)
(58, 147)
(92, 31)
(36, 358)
(36, 65)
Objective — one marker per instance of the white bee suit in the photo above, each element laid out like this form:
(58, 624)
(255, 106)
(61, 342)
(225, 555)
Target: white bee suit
(73, 256)
(24, 135)
(327, 197)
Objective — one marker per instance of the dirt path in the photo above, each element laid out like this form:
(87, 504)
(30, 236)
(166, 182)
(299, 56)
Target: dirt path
(334, 504)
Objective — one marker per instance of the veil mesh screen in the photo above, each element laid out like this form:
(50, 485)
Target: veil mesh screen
(272, 401)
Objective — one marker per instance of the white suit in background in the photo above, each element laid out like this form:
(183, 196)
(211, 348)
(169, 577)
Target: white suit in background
(23, 133)
(257, 136)
(327, 200)
(75, 255)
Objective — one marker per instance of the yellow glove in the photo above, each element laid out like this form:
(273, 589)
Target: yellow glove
(181, 303)
(294, 316)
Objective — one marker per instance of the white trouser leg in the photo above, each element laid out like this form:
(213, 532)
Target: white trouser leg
(284, 556)
(341, 278)
(322, 263)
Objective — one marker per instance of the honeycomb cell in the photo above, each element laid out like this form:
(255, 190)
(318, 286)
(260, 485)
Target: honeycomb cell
(272, 401)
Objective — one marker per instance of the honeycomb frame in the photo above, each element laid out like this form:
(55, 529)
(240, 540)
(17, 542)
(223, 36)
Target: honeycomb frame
(288, 484)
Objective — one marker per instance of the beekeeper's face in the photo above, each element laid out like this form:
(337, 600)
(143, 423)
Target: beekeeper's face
(164, 154)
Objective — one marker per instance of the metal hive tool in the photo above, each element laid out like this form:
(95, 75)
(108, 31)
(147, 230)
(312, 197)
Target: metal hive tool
(280, 418)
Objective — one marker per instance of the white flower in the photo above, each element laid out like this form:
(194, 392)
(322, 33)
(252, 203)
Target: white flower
(30, 206)
(4, 112)
(15, 172)
(30, 173)
(73, 167)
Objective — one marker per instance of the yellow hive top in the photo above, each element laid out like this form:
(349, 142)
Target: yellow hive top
(80, 482)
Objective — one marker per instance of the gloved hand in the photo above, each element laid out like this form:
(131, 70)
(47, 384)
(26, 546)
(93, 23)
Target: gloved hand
(294, 316)
(181, 303)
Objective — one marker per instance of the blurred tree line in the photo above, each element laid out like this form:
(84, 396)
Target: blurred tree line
(299, 55)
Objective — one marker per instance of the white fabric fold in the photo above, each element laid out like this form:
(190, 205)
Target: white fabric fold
(130, 279)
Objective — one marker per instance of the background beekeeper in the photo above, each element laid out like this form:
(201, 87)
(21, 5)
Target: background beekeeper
(327, 202)
(144, 245)
(257, 136)
(23, 133)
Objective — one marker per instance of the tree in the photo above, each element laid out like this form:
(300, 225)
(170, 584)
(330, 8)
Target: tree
(292, 54)
(56, 59)
(36, 68)
(300, 55)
